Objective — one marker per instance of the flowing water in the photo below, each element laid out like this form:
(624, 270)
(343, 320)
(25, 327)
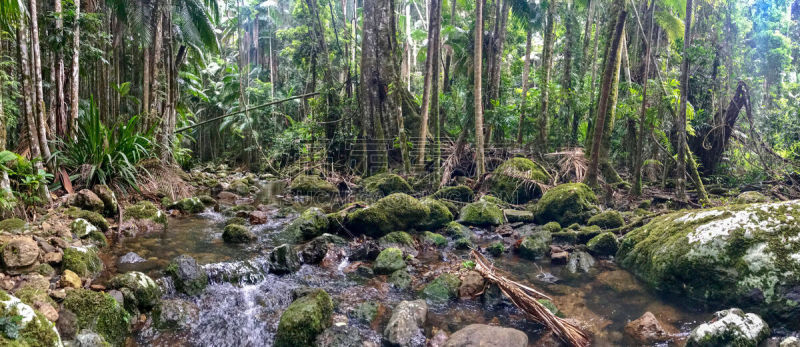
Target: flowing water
(243, 303)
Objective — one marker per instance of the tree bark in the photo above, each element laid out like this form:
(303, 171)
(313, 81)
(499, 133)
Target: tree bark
(680, 189)
(526, 69)
(430, 89)
(74, 99)
(60, 106)
(547, 64)
(155, 84)
(41, 117)
(636, 190)
(480, 166)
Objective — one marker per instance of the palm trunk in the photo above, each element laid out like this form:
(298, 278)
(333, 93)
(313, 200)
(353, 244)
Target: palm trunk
(430, 89)
(480, 166)
(680, 189)
(155, 84)
(547, 64)
(41, 118)
(526, 70)
(74, 99)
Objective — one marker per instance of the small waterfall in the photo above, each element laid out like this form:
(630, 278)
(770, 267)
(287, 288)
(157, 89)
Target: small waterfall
(237, 272)
(212, 215)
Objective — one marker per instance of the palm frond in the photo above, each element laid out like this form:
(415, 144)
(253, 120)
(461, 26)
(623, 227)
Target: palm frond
(670, 23)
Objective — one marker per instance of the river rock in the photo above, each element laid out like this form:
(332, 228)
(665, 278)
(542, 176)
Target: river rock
(84, 261)
(607, 220)
(730, 327)
(366, 250)
(143, 217)
(386, 184)
(110, 203)
(100, 312)
(579, 261)
(400, 279)
(20, 252)
(312, 186)
(88, 200)
(146, 293)
(604, 244)
(38, 330)
(481, 213)
(311, 223)
(647, 330)
(405, 325)
(314, 251)
(472, 284)
(487, 335)
(559, 258)
(566, 204)
(175, 314)
(517, 180)
(305, 319)
(340, 336)
(747, 255)
(88, 338)
(442, 289)
(188, 205)
(189, 277)
(70, 280)
(438, 215)
(258, 217)
(283, 260)
(460, 193)
(235, 233)
(130, 258)
(394, 212)
(535, 246)
(388, 261)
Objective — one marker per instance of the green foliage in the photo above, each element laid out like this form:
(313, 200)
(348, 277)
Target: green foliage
(26, 180)
(10, 326)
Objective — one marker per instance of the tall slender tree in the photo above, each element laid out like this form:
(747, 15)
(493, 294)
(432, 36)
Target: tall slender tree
(480, 165)
(547, 66)
(680, 188)
(526, 69)
(431, 84)
(59, 108)
(36, 72)
(74, 98)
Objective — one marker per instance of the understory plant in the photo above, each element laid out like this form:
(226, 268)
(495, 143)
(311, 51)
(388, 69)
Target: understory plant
(26, 181)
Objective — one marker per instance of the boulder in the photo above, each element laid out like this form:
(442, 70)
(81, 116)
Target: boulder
(459, 193)
(88, 200)
(130, 258)
(143, 217)
(496, 249)
(146, 293)
(405, 325)
(94, 218)
(397, 211)
(514, 216)
(386, 184)
(84, 261)
(189, 277)
(400, 279)
(535, 246)
(434, 239)
(312, 186)
(258, 217)
(442, 289)
(20, 253)
(472, 284)
(110, 203)
(388, 261)
(311, 223)
(457, 230)
(437, 216)
(730, 327)
(32, 327)
(747, 255)
(481, 213)
(604, 244)
(100, 312)
(70, 279)
(396, 239)
(566, 204)
(314, 251)
(13, 225)
(579, 261)
(751, 197)
(81, 227)
(487, 335)
(552, 227)
(188, 205)
(518, 180)
(607, 220)
(235, 233)
(305, 319)
(283, 260)
(175, 314)
(647, 330)
(340, 336)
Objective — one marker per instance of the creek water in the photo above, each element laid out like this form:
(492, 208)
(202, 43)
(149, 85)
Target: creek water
(243, 303)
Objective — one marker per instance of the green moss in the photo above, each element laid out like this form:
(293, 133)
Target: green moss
(438, 214)
(236, 220)
(82, 261)
(388, 261)
(481, 213)
(312, 185)
(463, 243)
(565, 237)
(31, 294)
(147, 294)
(751, 197)
(400, 279)
(188, 205)
(459, 193)
(385, 184)
(603, 245)
(607, 220)
(93, 217)
(457, 230)
(186, 279)
(145, 210)
(304, 319)
(551, 307)
(495, 200)
(81, 227)
(566, 204)
(45, 270)
(240, 186)
(36, 332)
(310, 224)
(552, 227)
(235, 233)
(98, 239)
(435, 239)
(587, 233)
(12, 225)
(207, 200)
(517, 180)
(496, 249)
(535, 246)
(100, 313)
(397, 238)
(441, 289)
(394, 212)
(514, 216)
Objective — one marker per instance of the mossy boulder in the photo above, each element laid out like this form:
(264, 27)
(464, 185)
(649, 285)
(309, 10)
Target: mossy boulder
(552, 227)
(397, 211)
(235, 220)
(535, 246)
(81, 227)
(92, 217)
(388, 261)
(747, 256)
(459, 193)
(33, 328)
(604, 244)
(100, 313)
(143, 217)
(514, 216)
(496, 249)
(441, 289)
(457, 230)
(396, 238)
(188, 205)
(517, 180)
(13, 225)
(481, 213)
(97, 238)
(240, 186)
(566, 204)
(312, 186)
(311, 223)
(110, 203)
(434, 239)
(565, 237)
(146, 293)
(438, 214)
(751, 197)
(462, 243)
(189, 277)
(607, 220)
(304, 319)
(235, 233)
(385, 184)
(730, 327)
(400, 279)
(82, 261)
(284, 260)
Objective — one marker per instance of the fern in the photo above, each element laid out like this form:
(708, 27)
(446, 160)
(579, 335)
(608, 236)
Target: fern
(671, 24)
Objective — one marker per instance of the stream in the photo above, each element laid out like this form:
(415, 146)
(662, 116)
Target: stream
(243, 303)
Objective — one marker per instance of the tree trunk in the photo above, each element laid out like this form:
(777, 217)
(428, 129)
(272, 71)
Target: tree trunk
(155, 84)
(41, 118)
(74, 99)
(494, 57)
(605, 103)
(638, 160)
(547, 64)
(680, 189)
(480, 166)
(5, 184)
(430, 89)
(526, 69)
(60, 107)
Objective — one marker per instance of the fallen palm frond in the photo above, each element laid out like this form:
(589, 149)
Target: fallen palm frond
(525, 179)
(525, 298)
(572, 161)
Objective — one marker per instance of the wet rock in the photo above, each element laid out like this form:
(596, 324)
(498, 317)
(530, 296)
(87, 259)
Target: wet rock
(400, 279)
(110, 203)
(88, 338)
(239, 186)
(579, 261)
(647, 330)
(514, 216)
(99, 311)
(457, 230)
(314, 251)
(258, 217)
(604, 244)
(559, 258)
(146, 293)
(442, 289)
(566, 204)
(386, 184)
(13, 225)
(565, 237)
(459, 193)
(130, 258)
(235, 233)
(312, 186)
(20, 252)
(437, 216)
(365, 312)
(535, 246)
(552, 227)
(227, 197)
(340, 336)
(70, 280)
(96, 219)
(388, 261)
(81, 227)
(607, 220)
(366, 250)
(751, 197)
(305, 319)
(462, 243)
(434, 239)
(493, 298)
(472, 284)
(188, 205)
(511, 181)
(84, 261)
(67, 324)
(481, 213)
(88, 200)
(730, 327)
(487, 335)
(310, 224)
(744, 245)
(283, 260)
(394, 212)
(189, 277)
(405, 325)
(143, 217)
(496, 249)
(790, 341)
(175, 314)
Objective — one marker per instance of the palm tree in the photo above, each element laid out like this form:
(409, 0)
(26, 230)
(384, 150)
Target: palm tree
(480, 165)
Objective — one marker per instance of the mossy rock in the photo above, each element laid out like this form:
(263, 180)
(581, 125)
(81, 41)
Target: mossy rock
(438, 214)
(235, 233)
(236, 220)
(434, 239)
(188, 205)
(517, 180)
(34, 330)
(565, 237)
(311, 223)
(442, 289)
(604, 244)
(462, 243)
(312, 185)
(738, 255)
(400, 238)
(145, 210)
(146, 293)
(496, 249)
(457, 230)
(110, 203)
(514, 216)
(100, 313)
(731, 327)
(495, 200)
(481, 213)
(394, 212)
(385, 184)
(459, 193)
(566, 204)
(97, 238)
(240, 186)
(93, 217)
(388, 261)
(13, 226)
(535, 246)
(189, 277)
(81, 227)
(587, 233)
(82, 261)
(751, 197)
(304, 319)
(365, 311)
(283, 260)
(400, 279)
(552, 227)
(607, 220)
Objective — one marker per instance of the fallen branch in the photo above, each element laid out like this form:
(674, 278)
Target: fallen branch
(525, 298)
